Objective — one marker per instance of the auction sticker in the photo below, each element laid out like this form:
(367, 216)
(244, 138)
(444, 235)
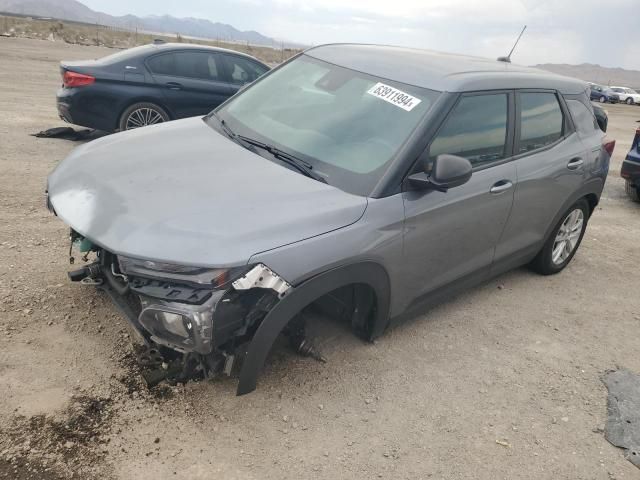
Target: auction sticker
(394, 96)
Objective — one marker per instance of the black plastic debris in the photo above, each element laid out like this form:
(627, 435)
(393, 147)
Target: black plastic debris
(68, 133)
(623, 412)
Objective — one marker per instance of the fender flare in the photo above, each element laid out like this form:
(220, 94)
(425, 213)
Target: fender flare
(369, 273)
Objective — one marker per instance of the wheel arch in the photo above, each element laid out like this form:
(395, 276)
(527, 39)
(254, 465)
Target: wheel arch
(368, 273)
(590, 192)
(143, 99)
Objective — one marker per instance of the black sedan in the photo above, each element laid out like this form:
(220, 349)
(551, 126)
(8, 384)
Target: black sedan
(151, 84)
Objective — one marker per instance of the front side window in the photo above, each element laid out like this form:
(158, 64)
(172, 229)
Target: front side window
(347, 125)
(476, 129)
(242, 70)
(541, 120)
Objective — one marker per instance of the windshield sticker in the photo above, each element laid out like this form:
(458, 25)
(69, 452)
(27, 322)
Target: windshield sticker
(394, 96)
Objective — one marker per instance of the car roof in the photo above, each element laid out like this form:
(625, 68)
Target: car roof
(195, 46)
(441, 71)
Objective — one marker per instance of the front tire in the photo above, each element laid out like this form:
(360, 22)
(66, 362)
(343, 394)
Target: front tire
(142, 114)
(632, 191)
(603, 99)
(564, 240)
(629, 101)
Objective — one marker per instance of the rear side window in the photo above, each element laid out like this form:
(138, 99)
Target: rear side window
(197, 65)
(242, 70)
(476, 129)
(162, 64)
(541, 120)
(202, 65)
(583, 118)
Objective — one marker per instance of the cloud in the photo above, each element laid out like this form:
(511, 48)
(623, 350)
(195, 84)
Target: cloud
(567, 31)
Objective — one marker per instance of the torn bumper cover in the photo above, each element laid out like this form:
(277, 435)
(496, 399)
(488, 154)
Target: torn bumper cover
(203, 312)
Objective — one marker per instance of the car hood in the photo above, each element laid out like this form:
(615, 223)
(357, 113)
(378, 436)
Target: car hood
(180, 192)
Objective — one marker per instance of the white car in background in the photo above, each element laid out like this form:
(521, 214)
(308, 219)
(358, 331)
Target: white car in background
(627, 95)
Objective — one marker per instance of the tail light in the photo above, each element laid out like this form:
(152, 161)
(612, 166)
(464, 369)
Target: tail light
(636, 140)
(609, 144)
(72, 79)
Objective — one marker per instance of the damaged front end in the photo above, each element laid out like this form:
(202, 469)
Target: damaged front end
(188, 321)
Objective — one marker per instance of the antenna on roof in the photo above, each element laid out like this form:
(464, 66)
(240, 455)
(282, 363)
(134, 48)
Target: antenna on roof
(507, 59)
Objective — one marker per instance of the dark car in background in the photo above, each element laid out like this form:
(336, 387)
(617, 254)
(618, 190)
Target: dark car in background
(602, 117)
(603, 94)
(631, 169)
(152, 84)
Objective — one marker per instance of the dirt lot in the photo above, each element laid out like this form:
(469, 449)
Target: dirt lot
(516, 361)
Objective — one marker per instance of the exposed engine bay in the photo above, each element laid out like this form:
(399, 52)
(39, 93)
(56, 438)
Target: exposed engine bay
(187, 322)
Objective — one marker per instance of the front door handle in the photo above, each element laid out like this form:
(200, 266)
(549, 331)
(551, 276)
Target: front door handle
(501, 186)
(174, 85)
(575, 163)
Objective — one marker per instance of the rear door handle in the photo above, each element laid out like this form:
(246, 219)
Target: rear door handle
(174, 85)
(501, 186)
(575, 163)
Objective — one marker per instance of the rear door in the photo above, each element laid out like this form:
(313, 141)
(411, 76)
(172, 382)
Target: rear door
(452, 235)
(193, 82)
(551, 162)
(589, 132)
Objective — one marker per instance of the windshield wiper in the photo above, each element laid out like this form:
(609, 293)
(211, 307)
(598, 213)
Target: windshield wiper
(225, 128)
(303, 167)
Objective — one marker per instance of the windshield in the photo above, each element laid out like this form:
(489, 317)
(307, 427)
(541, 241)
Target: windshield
(347, 125)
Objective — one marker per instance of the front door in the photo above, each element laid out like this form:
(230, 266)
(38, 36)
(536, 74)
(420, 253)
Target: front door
(451, 235)
(192, 82)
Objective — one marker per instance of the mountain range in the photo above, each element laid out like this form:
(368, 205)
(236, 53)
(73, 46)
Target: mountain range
(78, 12)
(596, 74)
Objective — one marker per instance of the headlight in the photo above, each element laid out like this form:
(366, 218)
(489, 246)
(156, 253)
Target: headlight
(214, 277)
(187, 328)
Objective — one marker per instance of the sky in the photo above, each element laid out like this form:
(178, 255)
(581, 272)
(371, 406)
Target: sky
(558, 31)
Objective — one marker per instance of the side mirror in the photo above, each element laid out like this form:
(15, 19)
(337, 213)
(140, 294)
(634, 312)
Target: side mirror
(448, 171)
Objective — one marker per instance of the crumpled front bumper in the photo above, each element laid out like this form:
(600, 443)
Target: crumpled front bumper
(182, 327)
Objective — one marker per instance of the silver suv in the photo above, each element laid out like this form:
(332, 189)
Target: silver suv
(367, 181)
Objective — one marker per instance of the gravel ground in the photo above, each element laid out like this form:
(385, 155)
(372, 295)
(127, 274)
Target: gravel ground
(503, 382)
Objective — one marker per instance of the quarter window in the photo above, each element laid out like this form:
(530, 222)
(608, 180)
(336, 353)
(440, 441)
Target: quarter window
(476, 130)
(541, 120)
(583, 118)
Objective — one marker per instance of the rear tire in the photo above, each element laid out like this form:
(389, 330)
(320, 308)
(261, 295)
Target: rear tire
(629, 101)
(564, 240)
(632, 191)
(142, 114)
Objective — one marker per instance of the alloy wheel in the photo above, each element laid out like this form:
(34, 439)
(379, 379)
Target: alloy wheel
(567, 237)
(142, 117)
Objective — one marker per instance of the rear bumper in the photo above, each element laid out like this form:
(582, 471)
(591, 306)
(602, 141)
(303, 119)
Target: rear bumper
(84, 107)
(630, 170)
